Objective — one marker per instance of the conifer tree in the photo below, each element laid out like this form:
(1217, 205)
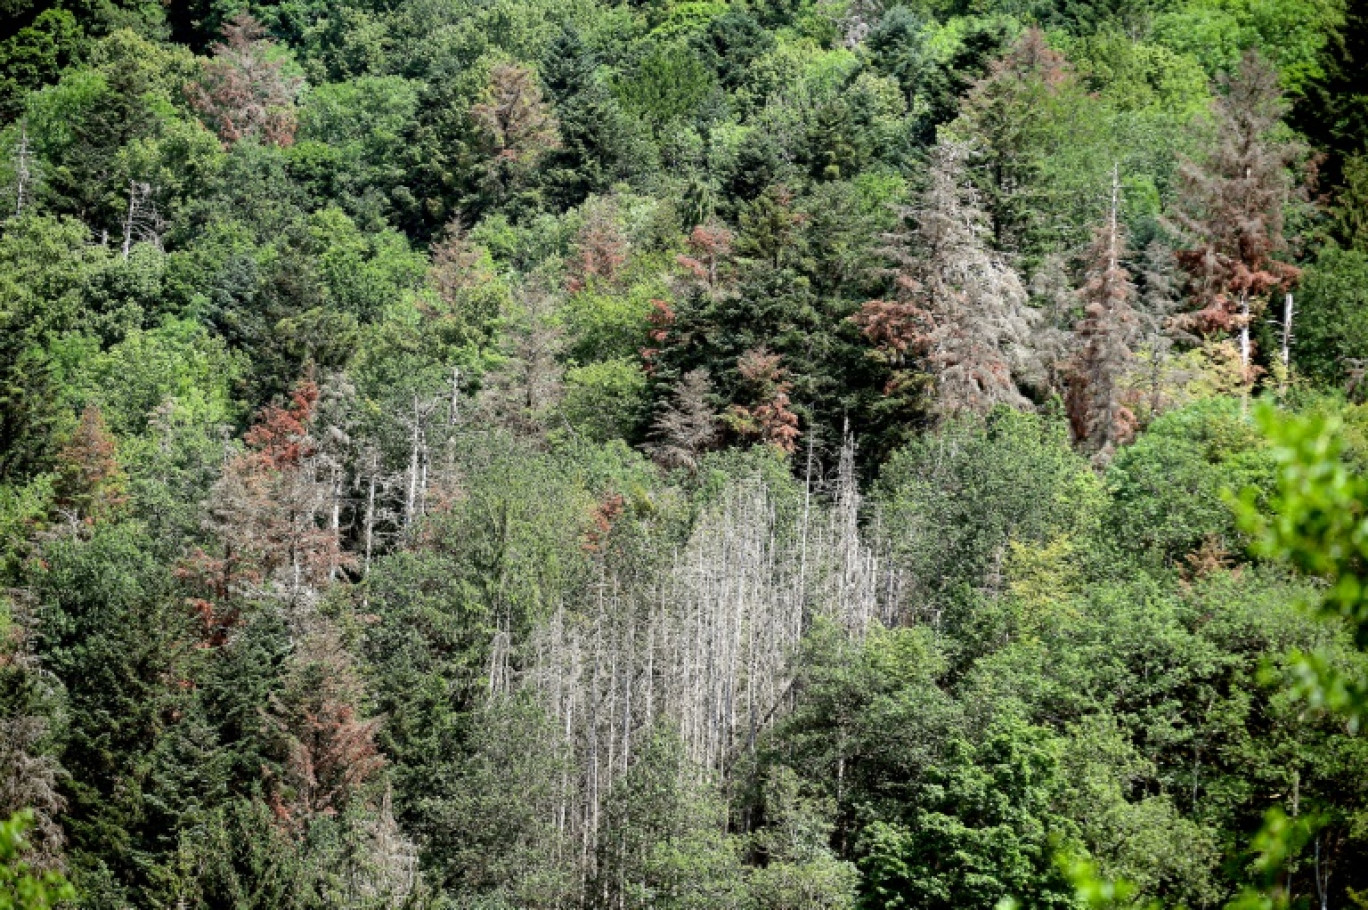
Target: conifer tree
(1004, 114)
(1231, 212)
(270, 514)
(515, 126)
(245, 91)
(685, 426)
(90, 484)
(767, 418)
(1097, 412)
(958, 306)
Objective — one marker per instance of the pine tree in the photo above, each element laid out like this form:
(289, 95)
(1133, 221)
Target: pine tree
(600, 248)
(1231, 215)
(327, 750)
(958, 306)
(1099, 417)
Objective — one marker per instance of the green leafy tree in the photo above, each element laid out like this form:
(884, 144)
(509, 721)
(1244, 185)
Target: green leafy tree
(21, 888)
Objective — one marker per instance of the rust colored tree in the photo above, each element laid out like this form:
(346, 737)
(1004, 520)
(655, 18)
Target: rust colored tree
(768, 419)
(1231, 212)
(1097, 412)
(709, 258)
(90, 483)
(600, 248)
(244, 91)
(270, 515)
(326, 748)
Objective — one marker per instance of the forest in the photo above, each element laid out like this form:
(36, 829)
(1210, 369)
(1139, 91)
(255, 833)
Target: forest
(683, 454)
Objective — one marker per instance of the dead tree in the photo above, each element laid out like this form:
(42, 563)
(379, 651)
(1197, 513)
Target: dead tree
(142, 223)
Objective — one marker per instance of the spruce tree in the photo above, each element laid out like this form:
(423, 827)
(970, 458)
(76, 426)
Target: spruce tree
(1097, 412)
(1231, 208)
(958, 307)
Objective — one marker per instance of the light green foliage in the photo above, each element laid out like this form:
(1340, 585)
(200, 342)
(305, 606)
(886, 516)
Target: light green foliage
(605, 400)
(177, 364)
(21, 888)
(1216, 32)
(1314, 520)
(952, 503)
(362, 273)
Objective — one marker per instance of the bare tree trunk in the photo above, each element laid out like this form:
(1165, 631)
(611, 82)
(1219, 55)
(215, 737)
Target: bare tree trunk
(1244, 337)
(22, 174)
(1288, 312)
(370, 511)
(128, 220)
(411, 501)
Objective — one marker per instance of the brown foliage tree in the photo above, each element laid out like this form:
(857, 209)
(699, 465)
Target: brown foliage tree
(769, 419)
(90, 483)
(959, 307)
(709, 256)
(600, 248)
(514, 122)
(660, 319)
(244, 91)
(270, 515)
(1231, 212)
(458, 265)
(328, 750)
(1097, 413)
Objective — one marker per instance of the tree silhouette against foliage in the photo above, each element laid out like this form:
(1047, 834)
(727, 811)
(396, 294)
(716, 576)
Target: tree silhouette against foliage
(768, 418)
(90, 484)
(685, 426)
(1097, 411)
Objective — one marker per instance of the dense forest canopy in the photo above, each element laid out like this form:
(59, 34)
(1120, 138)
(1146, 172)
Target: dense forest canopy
(767, 454)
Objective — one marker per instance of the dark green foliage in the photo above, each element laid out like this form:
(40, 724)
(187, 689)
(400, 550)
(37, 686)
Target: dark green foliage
(1331, 342)
(115, 635)
(990, 807)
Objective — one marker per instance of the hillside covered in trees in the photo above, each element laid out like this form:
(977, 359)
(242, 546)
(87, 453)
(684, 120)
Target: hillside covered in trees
(708, 454)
